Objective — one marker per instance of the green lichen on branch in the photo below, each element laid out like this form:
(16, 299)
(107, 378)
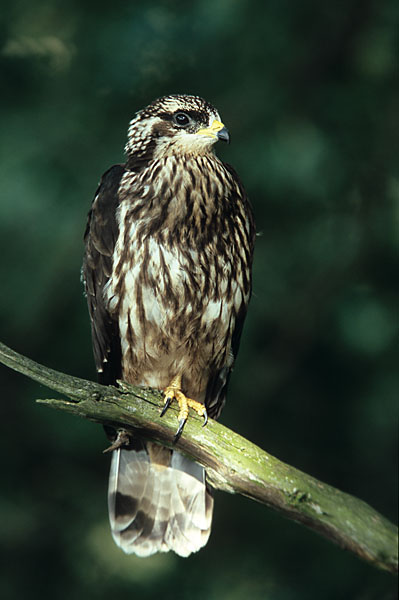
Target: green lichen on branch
(233, 464)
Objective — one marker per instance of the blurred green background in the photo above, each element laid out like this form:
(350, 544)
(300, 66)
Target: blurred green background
(307, 91)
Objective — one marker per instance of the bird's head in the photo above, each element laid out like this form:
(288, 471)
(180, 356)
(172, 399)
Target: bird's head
(172, 125)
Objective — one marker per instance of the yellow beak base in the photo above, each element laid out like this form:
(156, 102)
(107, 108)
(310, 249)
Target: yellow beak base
(217, 130)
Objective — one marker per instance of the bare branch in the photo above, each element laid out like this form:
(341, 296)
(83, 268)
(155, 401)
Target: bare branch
(233, 464)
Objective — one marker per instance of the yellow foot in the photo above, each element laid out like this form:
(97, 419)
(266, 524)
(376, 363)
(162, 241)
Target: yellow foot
(173, 391)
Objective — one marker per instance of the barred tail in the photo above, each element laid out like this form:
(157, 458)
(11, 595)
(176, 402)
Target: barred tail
(158, 501)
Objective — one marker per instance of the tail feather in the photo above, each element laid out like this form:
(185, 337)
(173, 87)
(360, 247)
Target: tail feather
(158, 501)
(129, 514)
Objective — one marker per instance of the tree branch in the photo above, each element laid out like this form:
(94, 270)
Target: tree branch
(233, 464)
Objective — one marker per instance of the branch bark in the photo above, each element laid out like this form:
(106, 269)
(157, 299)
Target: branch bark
(233, 464)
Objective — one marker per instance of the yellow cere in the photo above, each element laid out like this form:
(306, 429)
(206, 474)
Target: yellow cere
(212, 130)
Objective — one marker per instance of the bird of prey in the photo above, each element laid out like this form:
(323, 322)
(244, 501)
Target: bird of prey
(167, 275)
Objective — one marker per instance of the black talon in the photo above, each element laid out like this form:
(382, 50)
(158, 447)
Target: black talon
(182, 422)
(168, 400)
(205, 418)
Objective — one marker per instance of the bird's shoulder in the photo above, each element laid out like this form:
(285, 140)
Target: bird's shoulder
(106, 199)
(240, 195)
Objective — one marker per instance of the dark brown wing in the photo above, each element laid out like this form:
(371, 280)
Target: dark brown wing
(218, 383)
(100, 238)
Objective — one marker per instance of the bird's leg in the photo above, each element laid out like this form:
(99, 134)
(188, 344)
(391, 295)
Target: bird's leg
(173, 391)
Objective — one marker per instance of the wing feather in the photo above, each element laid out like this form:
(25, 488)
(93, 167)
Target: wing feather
(100, 239)
(219, 379)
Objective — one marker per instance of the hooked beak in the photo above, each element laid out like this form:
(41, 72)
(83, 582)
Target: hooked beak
(224, 135)
(217, 131)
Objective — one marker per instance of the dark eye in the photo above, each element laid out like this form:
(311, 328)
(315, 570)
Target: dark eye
(181, 119)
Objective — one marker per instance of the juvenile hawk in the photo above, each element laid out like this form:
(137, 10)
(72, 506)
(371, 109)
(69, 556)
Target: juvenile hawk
(167, 273)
